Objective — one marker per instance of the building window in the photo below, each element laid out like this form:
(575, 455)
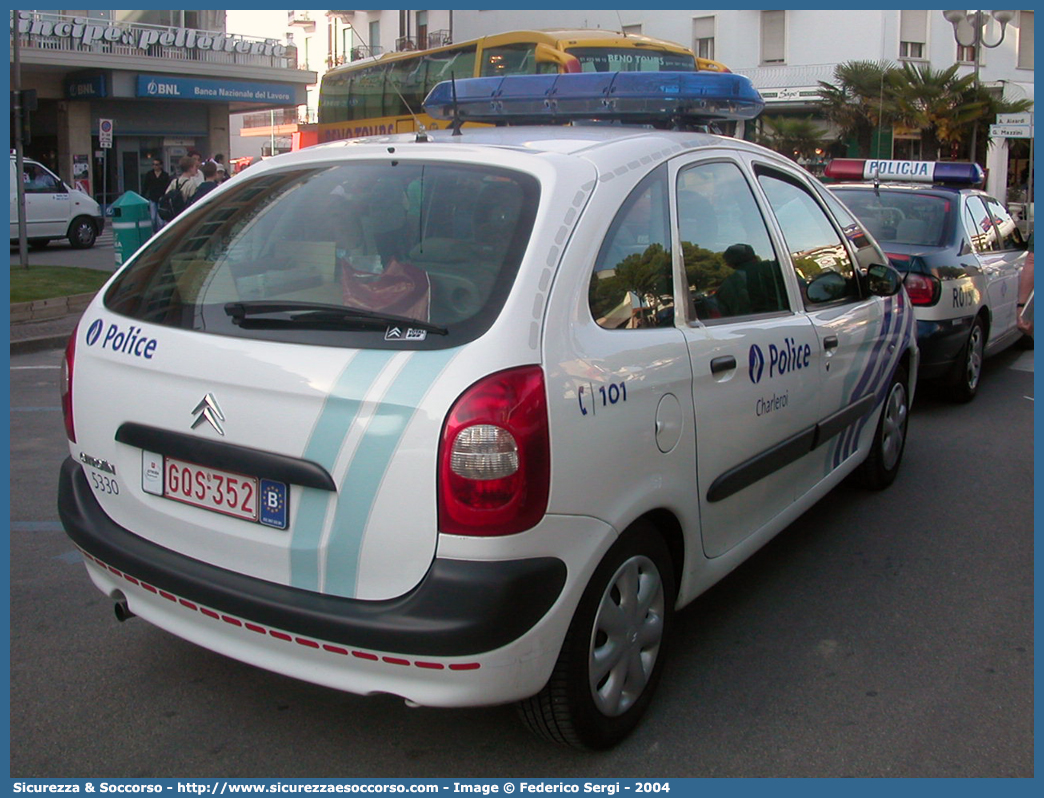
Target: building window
(703, 37)
(773, 37)
(422, 30)
(965, 54)
(375, 37)
(913, 33)
(1025, 40)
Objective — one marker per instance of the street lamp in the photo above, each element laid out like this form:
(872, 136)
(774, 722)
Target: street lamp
(969, 30)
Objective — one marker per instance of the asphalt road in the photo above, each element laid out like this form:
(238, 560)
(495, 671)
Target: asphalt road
(880, 635)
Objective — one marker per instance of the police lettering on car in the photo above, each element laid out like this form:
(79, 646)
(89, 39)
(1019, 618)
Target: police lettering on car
(464, 416)
(960, 253)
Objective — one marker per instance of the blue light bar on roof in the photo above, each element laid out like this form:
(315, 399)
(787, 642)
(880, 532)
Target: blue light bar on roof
(950, 172)
(635, 97)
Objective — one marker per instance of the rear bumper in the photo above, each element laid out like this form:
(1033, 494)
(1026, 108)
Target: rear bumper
(940, 343)
(461, 608)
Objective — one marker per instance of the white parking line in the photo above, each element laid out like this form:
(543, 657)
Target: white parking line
(30, 368)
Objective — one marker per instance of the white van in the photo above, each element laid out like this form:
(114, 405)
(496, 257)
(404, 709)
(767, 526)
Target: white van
(53, 210)
(464, 418)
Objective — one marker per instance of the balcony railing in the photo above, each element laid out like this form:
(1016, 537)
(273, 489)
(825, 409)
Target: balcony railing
(284, 116)
(435, 38)
(365, 51)
(40, 30)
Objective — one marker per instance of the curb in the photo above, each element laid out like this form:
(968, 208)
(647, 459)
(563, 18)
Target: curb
(55, 308)
(46, 310)
(41, 344)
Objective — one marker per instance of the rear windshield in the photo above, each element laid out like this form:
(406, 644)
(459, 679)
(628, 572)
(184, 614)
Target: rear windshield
(901, 217)
(345, 255)
(621, 59)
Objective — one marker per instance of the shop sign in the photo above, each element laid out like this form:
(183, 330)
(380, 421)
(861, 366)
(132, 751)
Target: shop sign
(85, 32)
(790, 94)
(168, 87)
(86, 87)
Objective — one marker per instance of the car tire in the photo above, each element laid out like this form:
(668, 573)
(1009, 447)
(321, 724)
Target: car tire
(967, 370)
(82, 234)
(613, 654)
(39, 243)
(879, 469)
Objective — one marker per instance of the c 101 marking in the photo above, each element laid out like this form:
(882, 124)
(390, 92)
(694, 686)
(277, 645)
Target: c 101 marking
(588, 397)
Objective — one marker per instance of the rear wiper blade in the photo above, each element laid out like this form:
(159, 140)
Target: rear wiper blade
(324, 313)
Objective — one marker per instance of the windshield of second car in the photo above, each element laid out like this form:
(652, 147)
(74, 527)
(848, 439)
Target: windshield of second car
(438, 243)
(900, 217)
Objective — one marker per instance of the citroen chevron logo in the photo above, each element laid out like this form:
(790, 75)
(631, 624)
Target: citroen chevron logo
(209, 411)
(757, 364)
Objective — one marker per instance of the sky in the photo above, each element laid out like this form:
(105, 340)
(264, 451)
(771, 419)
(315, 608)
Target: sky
(267, 23)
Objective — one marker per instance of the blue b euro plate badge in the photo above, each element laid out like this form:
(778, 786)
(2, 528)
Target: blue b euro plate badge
(275, 504)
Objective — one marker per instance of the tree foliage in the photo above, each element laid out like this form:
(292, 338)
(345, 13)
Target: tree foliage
(941, 104)
(791, 136)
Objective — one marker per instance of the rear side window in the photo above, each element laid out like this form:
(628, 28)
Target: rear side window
(429, 243)
(980, 227)
(1010, 235)
(632, 286)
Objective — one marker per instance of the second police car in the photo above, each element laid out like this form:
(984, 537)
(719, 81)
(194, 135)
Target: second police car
(959, 249)
(465, 417)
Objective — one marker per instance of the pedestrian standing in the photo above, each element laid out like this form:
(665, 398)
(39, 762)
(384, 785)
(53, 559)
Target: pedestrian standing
(154, 185)
(209, 183)
(186, 183)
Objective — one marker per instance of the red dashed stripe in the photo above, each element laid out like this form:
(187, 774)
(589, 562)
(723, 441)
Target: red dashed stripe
(276, 634)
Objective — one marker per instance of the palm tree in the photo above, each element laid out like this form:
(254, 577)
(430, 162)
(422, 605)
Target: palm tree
(943, 106)
(857, 103)
(790, 136)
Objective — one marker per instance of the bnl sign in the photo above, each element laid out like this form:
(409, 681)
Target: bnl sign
(167, 87)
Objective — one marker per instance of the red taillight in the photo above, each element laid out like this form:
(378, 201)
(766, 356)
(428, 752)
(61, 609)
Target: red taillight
(66, 386)
(923, 289)
(494, 456)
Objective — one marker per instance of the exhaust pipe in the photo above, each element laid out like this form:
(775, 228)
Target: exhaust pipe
(122, 611)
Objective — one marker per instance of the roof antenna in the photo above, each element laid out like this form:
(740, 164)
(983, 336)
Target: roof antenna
(619, 19)
(422, 132)
(456, 111)
(877, 181)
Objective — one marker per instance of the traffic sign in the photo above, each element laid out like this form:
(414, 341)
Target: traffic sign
(1011, 131)
(105, 133)
(1015, 119)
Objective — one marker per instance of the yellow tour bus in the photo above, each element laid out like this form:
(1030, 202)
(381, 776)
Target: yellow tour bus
(383, 95)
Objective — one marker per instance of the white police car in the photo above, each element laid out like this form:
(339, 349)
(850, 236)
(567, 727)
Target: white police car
(960, 252)
(464, 417)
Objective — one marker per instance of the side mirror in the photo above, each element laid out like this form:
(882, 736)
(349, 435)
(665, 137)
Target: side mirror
(827, 286)
(883, 280)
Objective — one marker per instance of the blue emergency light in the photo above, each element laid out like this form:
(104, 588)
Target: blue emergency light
(949, 172)
(662, 99)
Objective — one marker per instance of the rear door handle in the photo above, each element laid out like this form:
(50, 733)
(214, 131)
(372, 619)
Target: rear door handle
(720, 364)
(830, 342)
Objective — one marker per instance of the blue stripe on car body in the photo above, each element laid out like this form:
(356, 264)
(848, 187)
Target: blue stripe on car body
(339, 412)
(369, 464)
